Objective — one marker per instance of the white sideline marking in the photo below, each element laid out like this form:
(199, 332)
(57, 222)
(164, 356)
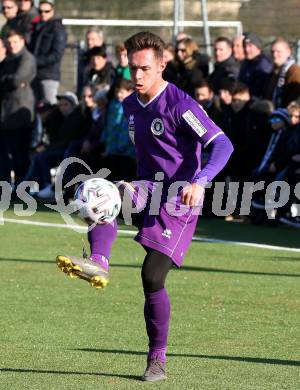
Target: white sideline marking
(133, 232)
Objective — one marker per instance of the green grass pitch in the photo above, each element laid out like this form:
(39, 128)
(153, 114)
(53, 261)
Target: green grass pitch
(235, 313)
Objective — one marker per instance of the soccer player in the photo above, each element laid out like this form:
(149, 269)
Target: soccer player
(169, 129)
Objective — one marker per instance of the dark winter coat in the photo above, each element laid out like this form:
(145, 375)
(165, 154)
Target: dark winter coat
(249, 133)
(48, 43)
(228, 69)
(61, 131)
(254, 73)
(291, 88)
(16, 96)
(26, 22)
(186, 75)
(104, 76)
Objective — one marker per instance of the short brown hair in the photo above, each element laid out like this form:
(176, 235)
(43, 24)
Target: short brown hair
(120, 47)
(224, 39)
(240, 88)
(12, 33)
(203, 84)
(124, 84)
(145, 40)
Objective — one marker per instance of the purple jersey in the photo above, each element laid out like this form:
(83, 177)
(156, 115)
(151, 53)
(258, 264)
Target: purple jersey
(169, 132)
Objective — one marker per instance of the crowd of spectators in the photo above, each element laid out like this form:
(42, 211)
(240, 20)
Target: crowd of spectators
(253, 95)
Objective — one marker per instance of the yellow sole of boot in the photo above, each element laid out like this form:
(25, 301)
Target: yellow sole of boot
(73, 271)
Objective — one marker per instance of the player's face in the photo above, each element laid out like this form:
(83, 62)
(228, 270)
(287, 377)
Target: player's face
(146, 73)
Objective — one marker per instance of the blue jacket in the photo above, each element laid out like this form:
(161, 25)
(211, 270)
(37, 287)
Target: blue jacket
(116, 135)
(254, 73)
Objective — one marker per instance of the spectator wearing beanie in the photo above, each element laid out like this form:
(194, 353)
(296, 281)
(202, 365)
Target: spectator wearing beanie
(256, 67)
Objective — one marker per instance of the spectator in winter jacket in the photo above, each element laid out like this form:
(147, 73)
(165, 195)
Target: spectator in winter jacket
(205, 96)
(190, 66)
(248, 131)
(17, 71)
(64, 125)
(93, 38)
(283, 85)
(101, 71)
(226, 66)
(256, 68)
(48, 43)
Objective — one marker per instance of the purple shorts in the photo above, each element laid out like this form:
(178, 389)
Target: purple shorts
(162, 225)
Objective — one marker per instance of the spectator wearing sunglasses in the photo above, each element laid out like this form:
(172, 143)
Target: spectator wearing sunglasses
(48, 43)
(189, 67)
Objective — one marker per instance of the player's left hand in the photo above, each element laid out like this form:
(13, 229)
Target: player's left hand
(192, 195)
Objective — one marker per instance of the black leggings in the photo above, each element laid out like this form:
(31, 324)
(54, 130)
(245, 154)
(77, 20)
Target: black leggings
(155, 269)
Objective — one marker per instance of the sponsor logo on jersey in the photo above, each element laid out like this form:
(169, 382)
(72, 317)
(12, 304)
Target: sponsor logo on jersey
(131, 128)
(131, 123)
(194, 122)
(167, 233)
(157, 126)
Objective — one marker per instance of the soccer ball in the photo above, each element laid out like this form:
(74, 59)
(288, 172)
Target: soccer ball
(97, 201)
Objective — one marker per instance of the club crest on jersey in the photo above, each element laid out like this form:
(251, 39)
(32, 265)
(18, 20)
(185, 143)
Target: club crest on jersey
(157, 126)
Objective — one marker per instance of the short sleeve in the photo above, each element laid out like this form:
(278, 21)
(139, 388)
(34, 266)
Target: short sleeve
(190, 116)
